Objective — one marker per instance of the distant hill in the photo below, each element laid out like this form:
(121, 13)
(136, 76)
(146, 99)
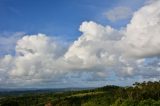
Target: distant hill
(21, 91)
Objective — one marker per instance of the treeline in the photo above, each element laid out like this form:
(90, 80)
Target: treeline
(140, 94)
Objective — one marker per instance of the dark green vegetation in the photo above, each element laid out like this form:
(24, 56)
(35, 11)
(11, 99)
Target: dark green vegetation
(140, 94)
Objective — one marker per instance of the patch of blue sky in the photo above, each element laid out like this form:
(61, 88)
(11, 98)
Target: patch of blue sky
(58, 18)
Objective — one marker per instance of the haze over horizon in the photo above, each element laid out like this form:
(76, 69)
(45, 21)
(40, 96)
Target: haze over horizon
(87, 43)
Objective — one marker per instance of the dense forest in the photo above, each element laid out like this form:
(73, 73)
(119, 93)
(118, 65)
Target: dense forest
(140, 94)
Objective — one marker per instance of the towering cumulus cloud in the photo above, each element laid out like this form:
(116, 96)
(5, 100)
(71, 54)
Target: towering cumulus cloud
(142, 36)
(94, 47)
(101, 51)
(34, 55)
(35, 60)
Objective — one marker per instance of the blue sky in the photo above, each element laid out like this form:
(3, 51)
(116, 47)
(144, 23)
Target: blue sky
(78, 43)
(57, 17)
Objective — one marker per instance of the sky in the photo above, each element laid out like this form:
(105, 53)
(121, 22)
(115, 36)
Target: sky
(78, 43)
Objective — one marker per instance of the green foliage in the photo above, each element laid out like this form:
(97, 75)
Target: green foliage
(156, 103)
(129, 102)
(118, 102)
(90, 103)
(140, 94)
(10, 103)
(148, 102)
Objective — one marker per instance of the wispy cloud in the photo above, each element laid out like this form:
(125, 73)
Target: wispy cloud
(118, 13)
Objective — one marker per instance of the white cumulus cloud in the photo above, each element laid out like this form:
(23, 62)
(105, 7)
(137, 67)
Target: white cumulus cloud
(143, 33)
